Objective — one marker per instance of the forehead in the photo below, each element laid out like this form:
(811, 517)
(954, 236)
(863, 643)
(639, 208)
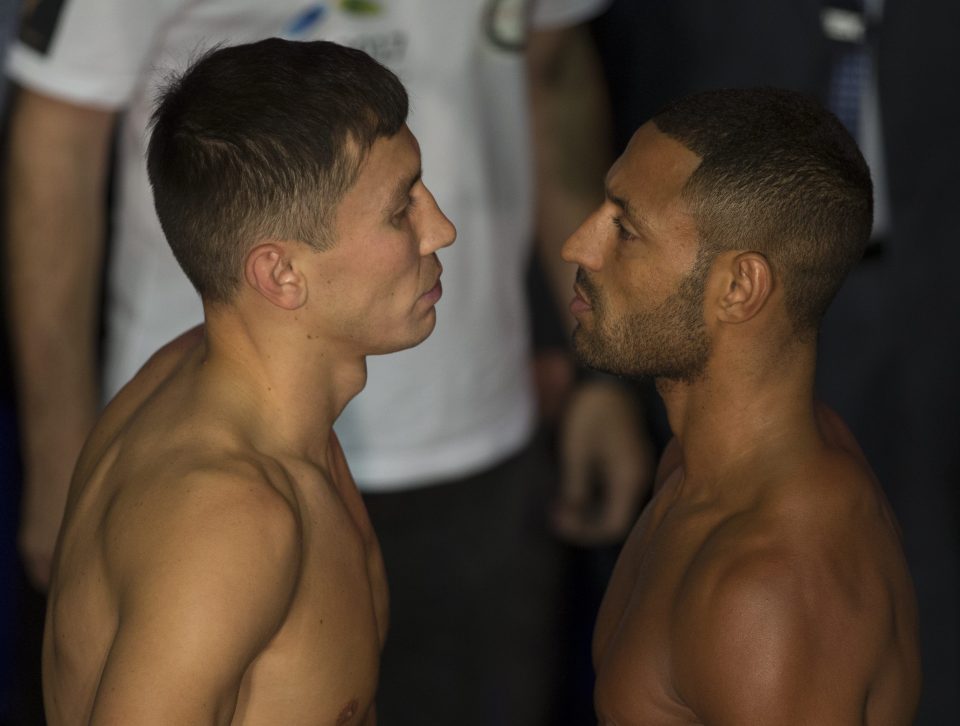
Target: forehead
(651, 172)
(388, 162)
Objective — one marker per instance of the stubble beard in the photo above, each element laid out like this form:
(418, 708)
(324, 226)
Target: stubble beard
(669, 342)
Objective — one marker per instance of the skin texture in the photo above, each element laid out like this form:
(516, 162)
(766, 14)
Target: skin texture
(765, 582)
(216, 564)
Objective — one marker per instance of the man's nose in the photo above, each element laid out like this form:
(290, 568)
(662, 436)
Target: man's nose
(438, 231)
(582, 247)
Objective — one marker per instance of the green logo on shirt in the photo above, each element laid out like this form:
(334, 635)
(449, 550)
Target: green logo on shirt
(361, 7)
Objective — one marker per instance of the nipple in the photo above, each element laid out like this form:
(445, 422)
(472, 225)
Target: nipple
(348, 712)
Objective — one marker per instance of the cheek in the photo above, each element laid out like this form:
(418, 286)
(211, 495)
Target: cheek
(391, 282)
(644, 285)
(398, 274)
(386, 259)
(625, 290)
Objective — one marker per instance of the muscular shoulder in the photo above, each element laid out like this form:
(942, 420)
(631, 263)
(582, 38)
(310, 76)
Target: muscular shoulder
(204, 565)
(775, 609)
(749, 635)
(202, 523)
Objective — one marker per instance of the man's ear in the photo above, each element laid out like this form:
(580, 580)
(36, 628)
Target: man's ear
(270, 270)
(747, 281)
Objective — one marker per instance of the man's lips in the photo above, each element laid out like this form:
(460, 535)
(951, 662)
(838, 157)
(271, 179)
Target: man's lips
(434, 293)
(579, 304)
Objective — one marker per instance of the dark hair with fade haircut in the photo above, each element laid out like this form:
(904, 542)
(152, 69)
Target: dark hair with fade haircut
(262, 141)
(782, 176)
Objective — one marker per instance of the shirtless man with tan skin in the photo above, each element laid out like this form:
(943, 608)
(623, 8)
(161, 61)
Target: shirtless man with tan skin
(765, 582)
(216, 564)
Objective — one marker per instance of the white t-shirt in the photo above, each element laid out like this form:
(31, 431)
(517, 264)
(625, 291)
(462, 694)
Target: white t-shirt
(462, 400)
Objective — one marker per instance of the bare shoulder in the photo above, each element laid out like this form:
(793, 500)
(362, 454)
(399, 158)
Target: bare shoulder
(144, 384)
(762, 637)
(829, 493)
(788, 611)
(205, 519)
(203, 562)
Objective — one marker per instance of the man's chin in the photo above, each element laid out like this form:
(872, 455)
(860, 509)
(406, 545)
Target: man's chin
(590, 354)
(415, 338)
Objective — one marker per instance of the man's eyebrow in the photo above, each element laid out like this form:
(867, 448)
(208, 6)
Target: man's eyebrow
(635, 219)
(402, 190)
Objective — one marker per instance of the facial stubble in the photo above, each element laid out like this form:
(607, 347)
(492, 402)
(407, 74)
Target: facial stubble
(667, 342)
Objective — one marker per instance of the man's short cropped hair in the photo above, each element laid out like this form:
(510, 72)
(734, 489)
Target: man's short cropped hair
(262, 141)
(779, 175)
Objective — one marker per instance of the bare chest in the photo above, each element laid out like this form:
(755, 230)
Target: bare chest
(632, 639)
(322, 666)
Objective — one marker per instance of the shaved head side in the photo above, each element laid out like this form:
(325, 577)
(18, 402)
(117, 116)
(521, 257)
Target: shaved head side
(779, 175)
(263, 140)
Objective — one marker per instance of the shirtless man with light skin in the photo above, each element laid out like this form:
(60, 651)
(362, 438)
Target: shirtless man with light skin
(765, 583)
(216, 564)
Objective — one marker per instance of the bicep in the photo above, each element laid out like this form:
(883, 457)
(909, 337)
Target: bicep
(750, 651)
(201, 594)
(156, 675)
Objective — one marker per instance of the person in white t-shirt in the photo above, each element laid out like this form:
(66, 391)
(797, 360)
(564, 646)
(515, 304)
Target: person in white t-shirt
(441, 439)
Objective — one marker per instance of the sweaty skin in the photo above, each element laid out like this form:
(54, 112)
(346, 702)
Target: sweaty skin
(140, 518)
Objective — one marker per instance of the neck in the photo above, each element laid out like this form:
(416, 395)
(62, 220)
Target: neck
(286, 387)
(743, 412)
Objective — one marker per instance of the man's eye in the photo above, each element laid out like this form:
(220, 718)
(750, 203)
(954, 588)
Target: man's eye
(622, 231)
(399, 217)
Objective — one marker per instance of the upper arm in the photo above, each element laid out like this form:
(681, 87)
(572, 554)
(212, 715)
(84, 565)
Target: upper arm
(59, 158)
(56, 209)
(203, 584)
(749, 649)
(48, 131)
